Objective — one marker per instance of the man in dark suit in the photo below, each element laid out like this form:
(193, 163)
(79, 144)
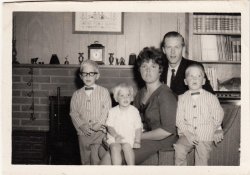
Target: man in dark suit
(174, 73)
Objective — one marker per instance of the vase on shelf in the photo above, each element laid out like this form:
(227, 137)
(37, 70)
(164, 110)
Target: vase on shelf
(111, 58)
(54, 59)
(81, 58)
(66, 60)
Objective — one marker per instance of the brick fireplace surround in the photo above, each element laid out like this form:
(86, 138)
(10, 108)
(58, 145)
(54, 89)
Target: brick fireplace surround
(29, 137)
(46, 80)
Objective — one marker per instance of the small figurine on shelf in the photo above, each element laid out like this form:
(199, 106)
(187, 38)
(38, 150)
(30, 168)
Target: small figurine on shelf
(33, 60)
(81, 58)
(111, 58)
(122, 61)
(117, 61)
(66, 60)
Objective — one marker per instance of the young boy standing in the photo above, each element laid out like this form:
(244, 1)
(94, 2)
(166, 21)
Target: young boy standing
(199, 117)
(88, 110)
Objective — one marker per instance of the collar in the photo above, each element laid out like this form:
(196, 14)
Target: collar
(175, 68)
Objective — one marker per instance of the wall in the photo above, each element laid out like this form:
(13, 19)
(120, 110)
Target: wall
(40, 34)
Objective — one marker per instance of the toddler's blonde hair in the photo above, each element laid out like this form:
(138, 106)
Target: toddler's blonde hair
(120, 86)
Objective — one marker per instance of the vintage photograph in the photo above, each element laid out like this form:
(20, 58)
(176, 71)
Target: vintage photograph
(130, 87)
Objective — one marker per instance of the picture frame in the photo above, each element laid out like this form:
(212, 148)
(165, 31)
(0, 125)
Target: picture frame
(98, 22)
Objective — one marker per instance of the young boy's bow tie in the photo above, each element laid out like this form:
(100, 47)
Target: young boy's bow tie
(195, 93)
(89, 88)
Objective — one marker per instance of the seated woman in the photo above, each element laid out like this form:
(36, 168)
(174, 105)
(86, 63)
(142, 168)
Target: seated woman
(157, 105)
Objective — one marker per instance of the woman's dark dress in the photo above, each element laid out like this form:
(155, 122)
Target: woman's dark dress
(158, 112)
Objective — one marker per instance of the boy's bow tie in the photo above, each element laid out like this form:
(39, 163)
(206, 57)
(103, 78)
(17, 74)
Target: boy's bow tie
(89, 88)
(195, 93)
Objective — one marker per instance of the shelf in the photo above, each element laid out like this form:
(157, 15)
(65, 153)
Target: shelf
(219, 62)
(217, 33)
(69, 66)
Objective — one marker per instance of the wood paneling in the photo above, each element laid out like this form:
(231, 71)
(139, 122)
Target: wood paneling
(40, 34)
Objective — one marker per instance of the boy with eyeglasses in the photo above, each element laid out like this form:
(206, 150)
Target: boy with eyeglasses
(88, 110)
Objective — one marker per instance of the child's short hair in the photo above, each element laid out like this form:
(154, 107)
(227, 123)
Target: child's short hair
(197, 65)
(89, 63)
(117, 88)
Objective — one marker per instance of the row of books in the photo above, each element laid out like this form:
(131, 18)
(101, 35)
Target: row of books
(220, 24)
(216, 48)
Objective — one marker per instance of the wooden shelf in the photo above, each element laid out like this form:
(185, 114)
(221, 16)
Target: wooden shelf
(219, 62)
(217, 33)
(69, 66)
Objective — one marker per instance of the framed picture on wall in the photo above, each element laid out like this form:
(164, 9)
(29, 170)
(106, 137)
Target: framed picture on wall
(98, 22)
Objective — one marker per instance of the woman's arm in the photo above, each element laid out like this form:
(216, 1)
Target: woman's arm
(167, 105)
(156, 134)
(112, 131)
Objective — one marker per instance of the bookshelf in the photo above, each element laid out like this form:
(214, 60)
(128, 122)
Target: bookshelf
(215, 40)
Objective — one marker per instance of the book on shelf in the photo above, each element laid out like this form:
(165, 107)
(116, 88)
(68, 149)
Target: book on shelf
(216, 48)
(238, 50)
(210, 23)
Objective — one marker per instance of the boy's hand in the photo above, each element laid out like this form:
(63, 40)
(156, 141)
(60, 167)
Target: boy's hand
(218, 136)
(99, 127)
(118, 138)
(137, 145)
(103, 128)
(85, 128)
(191, 138)
(96, 126)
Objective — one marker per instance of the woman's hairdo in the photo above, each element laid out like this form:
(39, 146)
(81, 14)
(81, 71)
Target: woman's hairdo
(150, 53)
(117, 89)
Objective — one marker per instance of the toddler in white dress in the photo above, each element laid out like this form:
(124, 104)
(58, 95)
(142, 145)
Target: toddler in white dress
(124, 126)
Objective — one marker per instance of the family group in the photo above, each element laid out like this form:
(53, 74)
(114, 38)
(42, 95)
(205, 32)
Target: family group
(176, 108)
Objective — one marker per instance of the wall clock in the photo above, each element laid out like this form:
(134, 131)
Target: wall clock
(96, 52)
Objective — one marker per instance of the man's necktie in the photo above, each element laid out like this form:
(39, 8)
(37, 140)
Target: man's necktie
(89, 88)
(172, 78)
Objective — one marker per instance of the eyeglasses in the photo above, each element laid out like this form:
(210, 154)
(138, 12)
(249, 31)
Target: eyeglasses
(85, 74)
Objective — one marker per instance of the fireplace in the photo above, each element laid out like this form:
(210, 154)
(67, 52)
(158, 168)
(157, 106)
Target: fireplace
(63, 142)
